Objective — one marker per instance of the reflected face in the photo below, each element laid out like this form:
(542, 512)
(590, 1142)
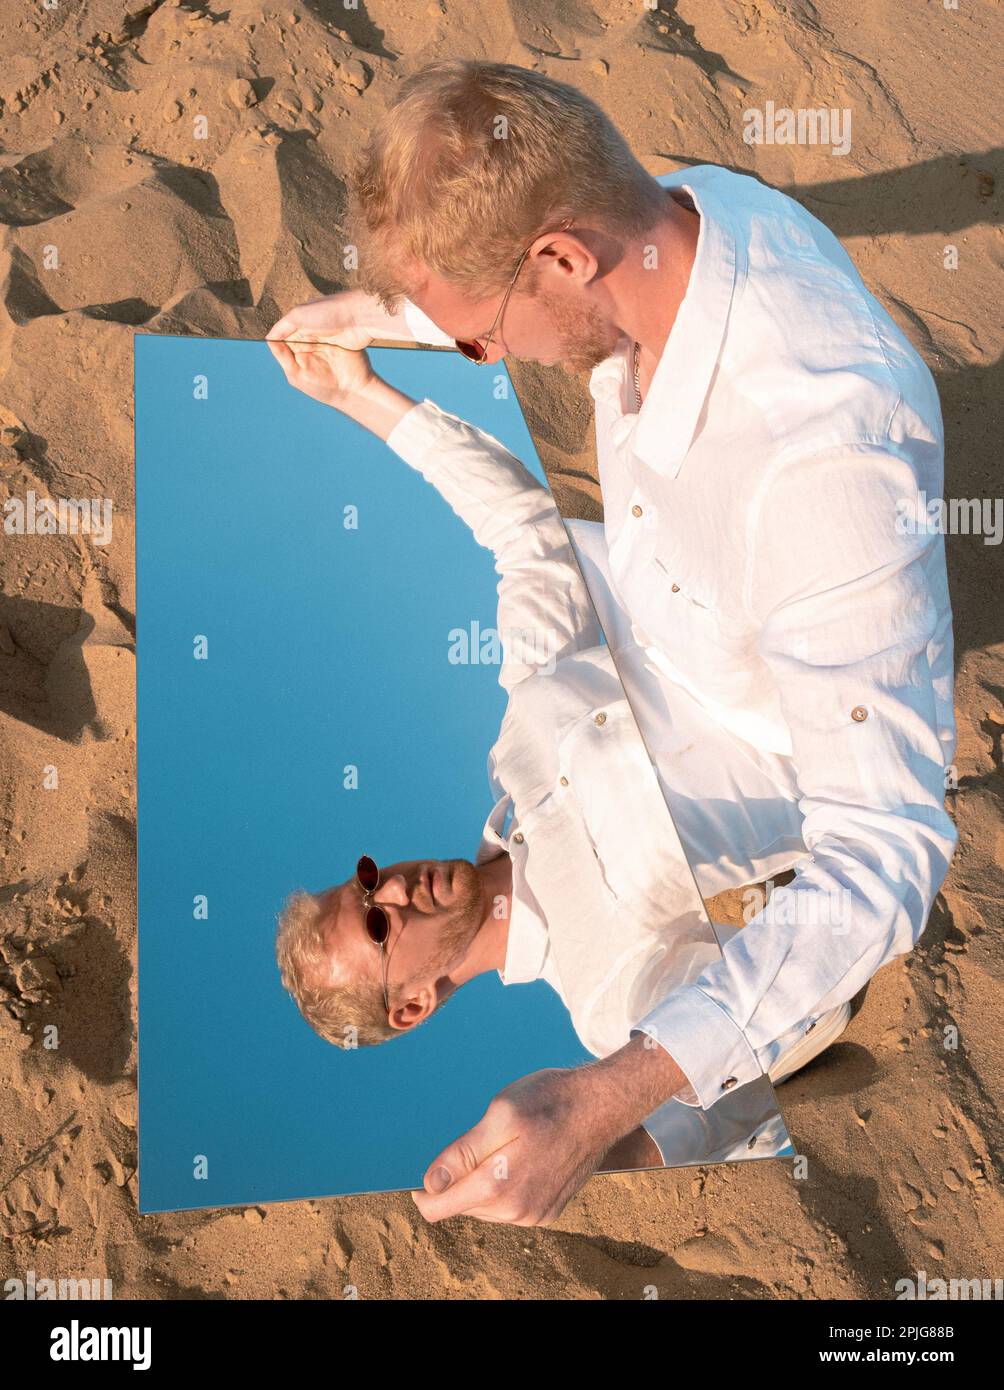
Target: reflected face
(435, 909)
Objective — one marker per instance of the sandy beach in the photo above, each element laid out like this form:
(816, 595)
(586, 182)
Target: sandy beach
(171, 168)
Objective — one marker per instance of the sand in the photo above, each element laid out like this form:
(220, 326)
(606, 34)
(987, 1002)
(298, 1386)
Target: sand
(159, 231)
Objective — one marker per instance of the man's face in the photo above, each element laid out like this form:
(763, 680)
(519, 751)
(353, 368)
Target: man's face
(435, 908)
(555, 321)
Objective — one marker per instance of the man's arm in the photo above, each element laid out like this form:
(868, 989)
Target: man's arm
(544, 608)
(628, 1089)
(848, 613)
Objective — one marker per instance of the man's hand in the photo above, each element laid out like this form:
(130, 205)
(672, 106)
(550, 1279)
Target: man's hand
(330, 374)
(536, 1145)
(544, 1135)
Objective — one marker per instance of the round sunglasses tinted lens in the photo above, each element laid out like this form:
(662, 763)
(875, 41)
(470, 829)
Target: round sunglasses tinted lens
(377, 925)
(367, 873)
(473, 351)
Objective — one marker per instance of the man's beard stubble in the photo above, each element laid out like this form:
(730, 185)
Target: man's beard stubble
(461, 921)
(586, 338)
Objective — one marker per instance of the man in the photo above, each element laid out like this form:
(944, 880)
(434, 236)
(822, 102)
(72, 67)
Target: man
(765, 437)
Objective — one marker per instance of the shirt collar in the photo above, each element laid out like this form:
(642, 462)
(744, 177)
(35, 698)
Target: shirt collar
(526, 941)
(662, 432)
(526, 938)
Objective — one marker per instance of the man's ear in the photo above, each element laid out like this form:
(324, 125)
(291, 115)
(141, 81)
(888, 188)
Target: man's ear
(549, 254)
(418, 1006)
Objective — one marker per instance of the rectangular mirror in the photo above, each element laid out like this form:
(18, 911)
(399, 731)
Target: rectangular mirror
(320, 648)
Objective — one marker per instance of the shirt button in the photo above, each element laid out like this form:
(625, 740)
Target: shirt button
(601, 718)
(676, 588)
(858, 713)
(518, 837)
(564, 781)
(728, 1083)
(636, 510)
(752, 1143)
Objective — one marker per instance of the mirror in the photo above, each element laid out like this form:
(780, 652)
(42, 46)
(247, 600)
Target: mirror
(320, 650)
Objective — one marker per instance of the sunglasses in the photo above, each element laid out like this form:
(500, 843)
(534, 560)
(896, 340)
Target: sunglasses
(377, 921)
(473, 348)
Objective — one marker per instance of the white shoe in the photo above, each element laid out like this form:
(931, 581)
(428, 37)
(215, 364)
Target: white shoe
(813, 1040)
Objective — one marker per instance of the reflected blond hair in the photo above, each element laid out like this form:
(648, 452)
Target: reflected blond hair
(341, 1012)
(472, 161)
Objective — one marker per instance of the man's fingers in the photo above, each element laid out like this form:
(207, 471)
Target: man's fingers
(293, 355)
(297, 333)
(497, 1126)
(284, 356)
(455, 1162)
(281, 328)
(291, 329)
(477, 1191)
(468, 1172)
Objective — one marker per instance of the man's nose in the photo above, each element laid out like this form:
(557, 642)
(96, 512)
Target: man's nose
(392, 890)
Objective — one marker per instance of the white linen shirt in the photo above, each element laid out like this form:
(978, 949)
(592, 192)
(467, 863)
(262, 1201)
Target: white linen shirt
(765, 524)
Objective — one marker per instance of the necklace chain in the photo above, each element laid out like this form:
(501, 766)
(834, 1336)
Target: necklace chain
(637, 386)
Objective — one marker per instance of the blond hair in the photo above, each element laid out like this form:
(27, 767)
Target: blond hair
(342, 1013)
(472, 161)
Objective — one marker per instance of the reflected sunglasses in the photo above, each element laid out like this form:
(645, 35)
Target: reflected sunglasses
(473, 348)
(377, 921)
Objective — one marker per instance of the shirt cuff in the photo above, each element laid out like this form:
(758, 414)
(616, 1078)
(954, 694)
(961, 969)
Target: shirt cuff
(422, 328)
(705, 1044)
